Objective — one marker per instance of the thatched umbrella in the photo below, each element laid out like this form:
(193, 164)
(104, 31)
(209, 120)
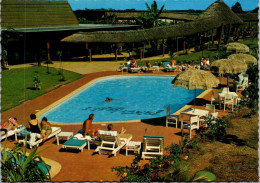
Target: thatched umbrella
(195, 79)
(238, 47)
(229, 66)
(248, 59)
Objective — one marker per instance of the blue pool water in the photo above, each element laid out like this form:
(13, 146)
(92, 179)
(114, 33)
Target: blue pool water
(140, 97)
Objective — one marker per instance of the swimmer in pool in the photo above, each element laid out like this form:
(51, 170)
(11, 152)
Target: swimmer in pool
(110, 99)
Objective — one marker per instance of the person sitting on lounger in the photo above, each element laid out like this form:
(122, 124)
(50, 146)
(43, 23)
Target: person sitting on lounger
(46, 128)
(34, 124)
(148, 64)
(10, 125)
(87, 127)
(173, 63)
(110, 128)
(133, 63)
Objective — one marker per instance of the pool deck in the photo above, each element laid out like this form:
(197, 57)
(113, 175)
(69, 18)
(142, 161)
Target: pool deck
(84, 166)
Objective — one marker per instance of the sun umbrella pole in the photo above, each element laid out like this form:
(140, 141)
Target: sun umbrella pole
(194, 96)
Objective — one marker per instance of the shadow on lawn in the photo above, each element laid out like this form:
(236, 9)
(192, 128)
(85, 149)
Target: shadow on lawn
(232, 139)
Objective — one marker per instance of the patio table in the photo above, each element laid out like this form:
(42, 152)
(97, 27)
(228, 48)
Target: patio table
(193, 112)
(222, 95)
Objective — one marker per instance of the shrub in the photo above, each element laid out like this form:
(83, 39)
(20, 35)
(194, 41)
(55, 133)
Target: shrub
(17, 167)
(218, 128)
(36, 81)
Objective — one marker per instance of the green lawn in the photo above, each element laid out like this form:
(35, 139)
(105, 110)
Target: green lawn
(17, 84)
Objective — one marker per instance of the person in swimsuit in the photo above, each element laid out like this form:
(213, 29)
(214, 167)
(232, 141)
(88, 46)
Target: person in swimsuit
(87, 127)
(10, 125)
(34, 124)
(120, 134)
(108, 99)
(46, 128)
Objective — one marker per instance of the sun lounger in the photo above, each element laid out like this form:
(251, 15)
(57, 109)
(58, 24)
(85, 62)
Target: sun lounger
(133, 69)
(13, 132)
(152, 146)
(167, 68)
(77, 142)
(110, 142)
(35, 139)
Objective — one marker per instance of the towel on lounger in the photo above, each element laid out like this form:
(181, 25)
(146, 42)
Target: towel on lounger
(79, 136)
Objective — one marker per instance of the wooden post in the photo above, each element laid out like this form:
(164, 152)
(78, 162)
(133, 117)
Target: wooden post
(220, 35)
(163, 48)
(116, 54)
(48, 50)
(140, 53)
(212, 37)
(177, 45)
(184, 46)
(86, 46)
(117, 47)
(90, 56)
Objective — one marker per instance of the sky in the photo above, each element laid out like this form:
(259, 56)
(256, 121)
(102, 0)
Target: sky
(169, 4)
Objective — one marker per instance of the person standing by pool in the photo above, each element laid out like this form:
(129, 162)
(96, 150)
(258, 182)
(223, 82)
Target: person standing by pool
(87, 127)
(46, 128)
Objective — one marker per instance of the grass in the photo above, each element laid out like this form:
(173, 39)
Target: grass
(250, 42)
(17, 84)
(234, 158)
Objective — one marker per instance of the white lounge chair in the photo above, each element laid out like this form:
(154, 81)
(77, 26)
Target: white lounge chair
(152, 146)
(78, 142)
(110, 142)
(133, 69)
(35, 139)
(167, 68)
(171, 119)
(13, 132)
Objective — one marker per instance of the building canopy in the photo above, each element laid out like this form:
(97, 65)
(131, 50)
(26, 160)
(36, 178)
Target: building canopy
(215, 16)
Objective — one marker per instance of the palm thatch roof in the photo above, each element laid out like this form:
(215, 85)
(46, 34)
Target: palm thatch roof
(248, 59)
(248, 16)
(222, 11)
(230, 66)
(28, 14)
(165, 14)
(237, 47)
(205, 23)
(132, 36)
(195, 79)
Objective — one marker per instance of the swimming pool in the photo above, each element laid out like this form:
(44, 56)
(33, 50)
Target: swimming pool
(137, 97)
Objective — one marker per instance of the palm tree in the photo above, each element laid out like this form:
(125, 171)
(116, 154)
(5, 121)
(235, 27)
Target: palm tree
(151, 17)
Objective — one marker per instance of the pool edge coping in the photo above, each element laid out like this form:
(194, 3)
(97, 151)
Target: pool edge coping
(49, 107)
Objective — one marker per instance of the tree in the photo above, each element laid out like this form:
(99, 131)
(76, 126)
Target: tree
(151, 17)
(237, 8)
(109, 18)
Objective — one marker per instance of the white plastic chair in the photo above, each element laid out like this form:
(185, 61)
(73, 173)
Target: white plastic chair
(215, 100)
(225, 90)
(229, 100)
(210, 107)
(193, 123)
(171, 119)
